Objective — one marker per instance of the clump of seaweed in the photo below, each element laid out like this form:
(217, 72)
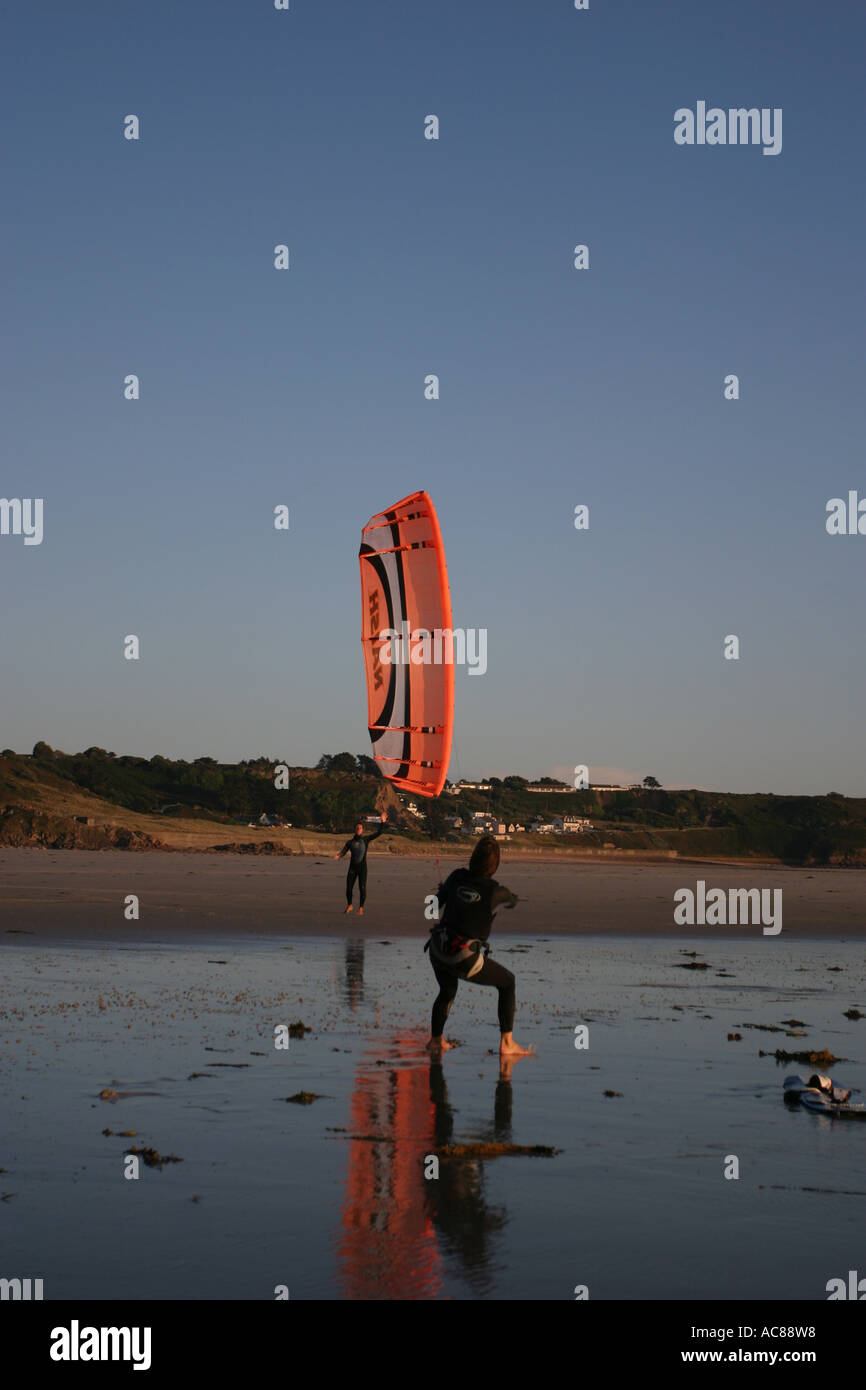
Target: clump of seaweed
(297, 1030)
(811, 1059)
(853, 1013)
(151, 1159)
(613, 1093)
(495, 1150)
(303, 1097)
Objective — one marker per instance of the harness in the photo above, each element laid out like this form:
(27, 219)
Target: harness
(449, 944)
(451, 947)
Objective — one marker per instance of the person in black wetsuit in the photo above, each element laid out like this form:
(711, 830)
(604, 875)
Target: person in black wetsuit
(357, 851)
(457, 944)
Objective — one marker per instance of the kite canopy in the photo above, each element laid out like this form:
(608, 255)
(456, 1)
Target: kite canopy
(410, 681)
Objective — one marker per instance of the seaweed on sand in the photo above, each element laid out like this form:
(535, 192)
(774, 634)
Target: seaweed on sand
(495, 1150)
(152, 1159)
(810, 1059)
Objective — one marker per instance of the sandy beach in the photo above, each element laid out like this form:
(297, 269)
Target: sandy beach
(305, 1167)
(68, 893)
(308, 1167)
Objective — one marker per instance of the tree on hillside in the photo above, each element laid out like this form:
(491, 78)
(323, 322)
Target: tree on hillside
(368, 765)
(651, 784)
(42, 750)
(343, 762)
(436, 813)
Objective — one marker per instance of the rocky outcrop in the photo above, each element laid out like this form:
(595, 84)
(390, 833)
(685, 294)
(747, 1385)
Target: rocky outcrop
(253, 847)
(22, 827)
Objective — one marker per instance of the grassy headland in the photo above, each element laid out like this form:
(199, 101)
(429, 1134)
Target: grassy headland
(97, 800)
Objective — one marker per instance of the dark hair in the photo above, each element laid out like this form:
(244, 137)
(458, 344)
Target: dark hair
(485, 857)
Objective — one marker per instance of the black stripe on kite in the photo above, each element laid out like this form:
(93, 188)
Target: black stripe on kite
(388, 708)
(403, 770)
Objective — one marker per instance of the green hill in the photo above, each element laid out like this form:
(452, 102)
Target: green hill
(344, 788)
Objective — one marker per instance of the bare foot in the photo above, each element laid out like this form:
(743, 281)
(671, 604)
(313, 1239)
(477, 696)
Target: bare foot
(348, 909)
(360, 911)
(509, 1048)
(438, 1045)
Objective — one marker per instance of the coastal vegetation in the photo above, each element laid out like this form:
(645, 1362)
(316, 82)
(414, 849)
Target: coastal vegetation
(345, 787)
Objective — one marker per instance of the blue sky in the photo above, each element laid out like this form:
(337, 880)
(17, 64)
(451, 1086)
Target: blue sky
(453, 257)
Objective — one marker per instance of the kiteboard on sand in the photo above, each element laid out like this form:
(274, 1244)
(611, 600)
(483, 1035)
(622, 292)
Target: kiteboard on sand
(406, 639)
(820, 1093)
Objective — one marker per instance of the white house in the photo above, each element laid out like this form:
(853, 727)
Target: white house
(485, 824)
(553, 826)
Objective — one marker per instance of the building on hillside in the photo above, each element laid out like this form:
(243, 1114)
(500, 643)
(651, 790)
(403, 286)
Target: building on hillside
(488, 825)
(576, 824)
(549, 825)
(612, 787)
(559, 788)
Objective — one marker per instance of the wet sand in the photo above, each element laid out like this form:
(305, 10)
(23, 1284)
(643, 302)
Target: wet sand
(74, 894)
(332, 1199)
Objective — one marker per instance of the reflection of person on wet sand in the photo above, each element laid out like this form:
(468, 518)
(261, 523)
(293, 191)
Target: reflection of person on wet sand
(458, 944)
(456, 1202)
(354, 988)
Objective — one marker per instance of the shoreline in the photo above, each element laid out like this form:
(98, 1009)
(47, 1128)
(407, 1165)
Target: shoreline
(66, 894)
(436, 849)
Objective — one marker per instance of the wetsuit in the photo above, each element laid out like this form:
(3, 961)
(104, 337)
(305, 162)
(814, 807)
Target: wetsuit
(357, 850)
(457, 944)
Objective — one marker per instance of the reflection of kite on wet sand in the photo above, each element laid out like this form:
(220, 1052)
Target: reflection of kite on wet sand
(393, 1245)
